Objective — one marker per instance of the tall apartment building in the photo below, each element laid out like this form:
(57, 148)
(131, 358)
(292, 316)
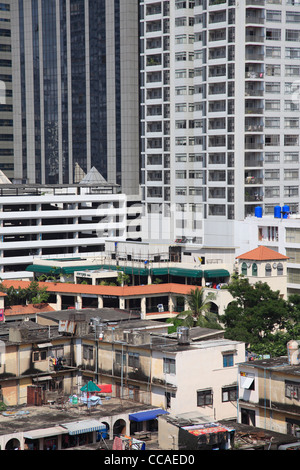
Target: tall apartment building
(6, 113)
(219, 114)
(75, 84)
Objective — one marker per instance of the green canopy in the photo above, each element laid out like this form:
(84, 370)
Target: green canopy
(38, 268)
(90, 387)
(177, 272)
(215, 273)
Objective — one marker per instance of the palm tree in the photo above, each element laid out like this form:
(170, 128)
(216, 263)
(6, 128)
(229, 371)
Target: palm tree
(198, 313)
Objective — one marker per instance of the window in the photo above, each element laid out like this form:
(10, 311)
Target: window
(272, 122)
(292, 390)
(271, 157)
(180, 90)
(272, 174)
(180, 174)
(244, 269)
(271, 140)
(291, 157)
(291, 140)
(273, 34)
(228, 360)
(180, 73)
(292, 17)
(273, 15)
(291, 123)
(272, 105)
(292, 35)
(292, 70)
(229, 394)
(272, 87)
(290, 105)
(292, 52)
(268, 270)
(118, 358)
(291, 174)
(291, 191)
(169, 366)
(88, 352)
(291, 88)
(279, 269)
(39, 355)
(204, 397)
(133, 360)
(247, 381)
(272, 70)
(273, 52)
(254, 269)
(180, 191)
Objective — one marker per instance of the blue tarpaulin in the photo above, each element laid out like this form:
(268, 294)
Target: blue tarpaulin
(146, 415)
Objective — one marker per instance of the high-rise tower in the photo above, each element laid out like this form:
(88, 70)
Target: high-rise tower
(220, 114)
(6, 108)
(75, 84)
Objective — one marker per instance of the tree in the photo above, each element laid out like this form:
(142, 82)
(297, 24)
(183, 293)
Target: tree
(32, 294)
(198, 313)
(258, 316)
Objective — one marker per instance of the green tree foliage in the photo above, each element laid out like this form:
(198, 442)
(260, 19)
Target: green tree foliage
(198, 313)
(259, 317)
(33, 294)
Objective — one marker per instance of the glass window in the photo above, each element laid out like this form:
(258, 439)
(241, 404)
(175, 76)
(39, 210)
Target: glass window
(229, 394)
(228, 360)
(169, 366)
(204, 397)
(268, 269)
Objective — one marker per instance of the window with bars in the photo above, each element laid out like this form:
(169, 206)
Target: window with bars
(205, 397)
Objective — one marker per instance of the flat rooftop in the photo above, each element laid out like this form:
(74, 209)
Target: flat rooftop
(28, 418)
(280, 364)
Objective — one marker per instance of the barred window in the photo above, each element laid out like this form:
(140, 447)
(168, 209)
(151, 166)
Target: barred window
(204, 397)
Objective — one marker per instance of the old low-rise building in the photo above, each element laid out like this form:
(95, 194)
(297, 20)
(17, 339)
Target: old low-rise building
(137, 358)
(269, 392)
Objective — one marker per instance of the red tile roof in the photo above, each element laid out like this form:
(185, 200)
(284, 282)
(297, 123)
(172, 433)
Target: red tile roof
(126, 291)
(27, 309)
(262, 253)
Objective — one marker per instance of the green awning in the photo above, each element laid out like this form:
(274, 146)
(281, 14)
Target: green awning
(177, 272)
(160, 271)
(216, 273)
(72, 269)
(135, 271)
(39, 268)
(186, 272)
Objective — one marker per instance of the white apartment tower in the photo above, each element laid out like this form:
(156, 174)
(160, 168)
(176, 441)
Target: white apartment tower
(220, 103)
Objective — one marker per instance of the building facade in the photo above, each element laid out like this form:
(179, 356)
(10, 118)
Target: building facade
(60, 221)
(6, 106)
(269, 392)
(75, 83)
(220, 134)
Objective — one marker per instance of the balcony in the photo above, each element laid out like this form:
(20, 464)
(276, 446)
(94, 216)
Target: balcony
(254, 74)
(253, 196)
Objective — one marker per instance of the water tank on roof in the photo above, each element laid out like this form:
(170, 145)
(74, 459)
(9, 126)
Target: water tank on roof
(277, 212)
(183, 335)
(293, 352)
(285, 211)
(258, 212)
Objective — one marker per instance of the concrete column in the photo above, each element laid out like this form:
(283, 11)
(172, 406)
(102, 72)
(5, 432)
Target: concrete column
(143, 308)
(79, 301)
(100, 301)
(171, 303)
(58, 301)
(122, 303)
